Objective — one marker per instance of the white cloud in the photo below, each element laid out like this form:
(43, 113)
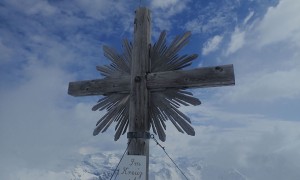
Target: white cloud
(162, 11)
(30, 174)
(162, 24)
(42, 7)
(194, 25)
(267, 87)
(266, 58)
(281, 23)
(236, 42)
(34, 7)
(39, 127)
(250, 15)
(212, 18)
(243, 144)
(5, 51)
(251, 144)
(98, 9)
(212, 45)
(164, 4)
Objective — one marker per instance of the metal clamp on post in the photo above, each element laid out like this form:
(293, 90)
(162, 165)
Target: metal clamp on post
(144, 135)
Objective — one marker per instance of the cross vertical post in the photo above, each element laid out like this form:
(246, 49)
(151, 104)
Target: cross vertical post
(139, 95)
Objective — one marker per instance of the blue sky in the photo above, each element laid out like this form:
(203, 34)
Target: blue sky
(252, 127)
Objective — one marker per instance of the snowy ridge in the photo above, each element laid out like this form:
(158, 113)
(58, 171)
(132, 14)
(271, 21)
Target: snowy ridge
(100, 166)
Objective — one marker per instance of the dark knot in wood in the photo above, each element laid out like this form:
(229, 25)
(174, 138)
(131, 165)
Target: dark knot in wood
(137, 79)
(218, 68)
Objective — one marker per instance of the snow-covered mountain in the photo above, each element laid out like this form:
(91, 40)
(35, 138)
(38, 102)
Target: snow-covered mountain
(100, 166)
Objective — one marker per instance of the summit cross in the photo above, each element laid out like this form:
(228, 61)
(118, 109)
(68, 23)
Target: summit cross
(144, 86)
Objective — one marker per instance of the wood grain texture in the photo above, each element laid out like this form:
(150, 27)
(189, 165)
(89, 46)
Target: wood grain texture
(100, 86)
(195, 78)
(139, 96)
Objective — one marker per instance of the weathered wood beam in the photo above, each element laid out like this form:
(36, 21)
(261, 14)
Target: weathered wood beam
(200, 77)
(139, 95)
(100, 86)
(195, 78)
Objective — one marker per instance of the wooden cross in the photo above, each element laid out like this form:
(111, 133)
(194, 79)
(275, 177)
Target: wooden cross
(144, 86)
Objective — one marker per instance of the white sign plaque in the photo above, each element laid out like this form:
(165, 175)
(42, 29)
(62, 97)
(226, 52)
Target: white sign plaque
(132, 167)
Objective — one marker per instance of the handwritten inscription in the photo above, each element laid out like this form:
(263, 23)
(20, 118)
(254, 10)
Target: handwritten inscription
(134, 163)
(133, 168)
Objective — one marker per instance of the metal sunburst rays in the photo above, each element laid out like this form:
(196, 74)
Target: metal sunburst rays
(164, 104)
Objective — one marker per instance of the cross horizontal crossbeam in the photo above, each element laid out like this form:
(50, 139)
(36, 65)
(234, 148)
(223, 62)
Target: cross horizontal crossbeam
(195, 78)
